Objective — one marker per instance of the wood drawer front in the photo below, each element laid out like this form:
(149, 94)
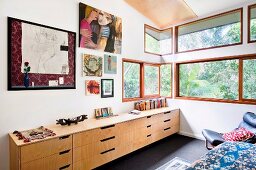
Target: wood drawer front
(170, 114)
(170, 130)
(86, 152)
(55, 162)
(95, 135)
(173, 120)
(43, 149)
(99, 159)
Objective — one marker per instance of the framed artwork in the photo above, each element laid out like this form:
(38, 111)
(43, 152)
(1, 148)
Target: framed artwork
(107, 88)
(92, 87)
(110, 66)
(103, 112)
(40, 57)
(99, 30)
(92, 65)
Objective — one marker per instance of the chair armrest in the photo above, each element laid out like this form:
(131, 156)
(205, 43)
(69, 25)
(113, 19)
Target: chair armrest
(214, 138)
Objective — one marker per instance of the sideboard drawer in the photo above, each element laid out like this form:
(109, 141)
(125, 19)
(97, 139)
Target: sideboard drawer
(62, 161)
(46, 148)
(99, 134)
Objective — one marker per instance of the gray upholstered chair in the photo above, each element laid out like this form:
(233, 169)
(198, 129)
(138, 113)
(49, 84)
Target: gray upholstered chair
(214, 138)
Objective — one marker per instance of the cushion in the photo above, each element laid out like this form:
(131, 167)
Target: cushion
(240, 134)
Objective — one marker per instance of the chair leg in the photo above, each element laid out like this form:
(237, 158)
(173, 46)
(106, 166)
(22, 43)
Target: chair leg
(207, 145)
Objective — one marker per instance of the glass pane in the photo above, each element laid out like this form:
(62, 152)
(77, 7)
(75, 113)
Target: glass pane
(131, 77)
(249, 79)
(218, 79)
(152, 45)
(151, 80)
(157, 41)
(253, 24)
(166, 80)
(213, 32)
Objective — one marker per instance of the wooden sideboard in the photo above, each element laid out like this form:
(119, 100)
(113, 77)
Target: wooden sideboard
(93, 143)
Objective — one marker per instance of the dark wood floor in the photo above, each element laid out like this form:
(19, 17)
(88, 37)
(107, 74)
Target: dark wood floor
(157, 154)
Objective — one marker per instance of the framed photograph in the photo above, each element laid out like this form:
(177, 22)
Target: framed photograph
(103, 112)
(107, 88)
(40, 57)
(92, 87)
(110, 64)
(98, 113)
(92, 65)
(99, 30)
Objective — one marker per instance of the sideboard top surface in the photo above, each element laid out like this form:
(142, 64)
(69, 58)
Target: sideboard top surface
(90, 124)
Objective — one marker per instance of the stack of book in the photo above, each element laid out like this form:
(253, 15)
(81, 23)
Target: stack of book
(150, 104)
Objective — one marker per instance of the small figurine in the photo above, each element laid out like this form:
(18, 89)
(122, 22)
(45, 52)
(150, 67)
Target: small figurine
(69, 121)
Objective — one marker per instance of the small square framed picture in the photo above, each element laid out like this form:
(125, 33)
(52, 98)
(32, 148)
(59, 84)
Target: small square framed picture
(107, 88)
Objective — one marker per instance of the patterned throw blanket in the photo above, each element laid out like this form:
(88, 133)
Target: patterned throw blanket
(228, 156)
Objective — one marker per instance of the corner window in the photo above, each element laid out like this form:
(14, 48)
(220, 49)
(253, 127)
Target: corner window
(158, 42)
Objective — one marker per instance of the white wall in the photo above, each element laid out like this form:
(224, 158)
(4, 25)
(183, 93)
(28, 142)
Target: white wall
(30, 109)
(199, 115)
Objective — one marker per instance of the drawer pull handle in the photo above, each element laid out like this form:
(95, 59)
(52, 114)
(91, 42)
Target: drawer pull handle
(64, 137)
(148, 135)
(64, 167)
(148, 126)
(108, 151)
(106, 127)
(168, 120)
(148, 116)
(167, 112)
(63, 152)
(103, 140)
(167, 128)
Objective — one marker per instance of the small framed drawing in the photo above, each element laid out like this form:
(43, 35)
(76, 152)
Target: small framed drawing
(107, 88)
(110, 64)
(40, 57)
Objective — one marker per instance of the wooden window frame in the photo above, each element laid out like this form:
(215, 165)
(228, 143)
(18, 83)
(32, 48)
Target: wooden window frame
(142, 79)
(210, 17)
(240, 100)
(158, 30)
(249, 23)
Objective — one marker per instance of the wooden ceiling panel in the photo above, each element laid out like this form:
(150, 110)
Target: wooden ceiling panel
(163, 12)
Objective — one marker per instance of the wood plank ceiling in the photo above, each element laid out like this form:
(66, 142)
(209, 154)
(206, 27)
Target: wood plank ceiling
(163, 13)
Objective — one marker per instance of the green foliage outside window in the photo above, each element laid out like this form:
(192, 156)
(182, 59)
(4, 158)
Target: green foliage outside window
(249, 79)
(218, 79)
(253, 30)
(152, 45)
(131, 76)
(151, 80)
(166, 80)
(218, 36)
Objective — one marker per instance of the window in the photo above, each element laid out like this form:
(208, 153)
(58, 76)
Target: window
(143, 80)
(218, 79)
(252, 23)
(216, 31)
(151, 80)
(249, 79)
(229, 79)
(131, 80)
(166, 80)
(158, 42)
